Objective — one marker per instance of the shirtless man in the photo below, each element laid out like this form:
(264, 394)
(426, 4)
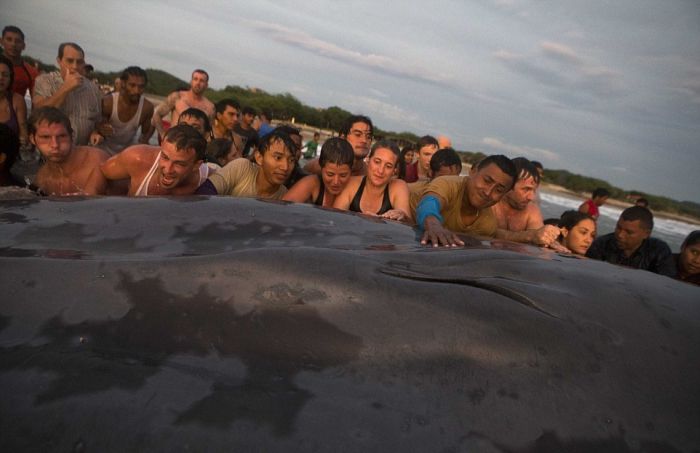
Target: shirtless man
(175, 168)
(67, 169)
(457, 204)
(69, 90)
(123, 112)
(519, 219)
(179, 101)
(358, 130)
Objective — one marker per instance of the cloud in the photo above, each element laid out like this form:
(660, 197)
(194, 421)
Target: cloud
(373, 62)
(559, 67)
(560, 52)
(518, 150)
(385, 111)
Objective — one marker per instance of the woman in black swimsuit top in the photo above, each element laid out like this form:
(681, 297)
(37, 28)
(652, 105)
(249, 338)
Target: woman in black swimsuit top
(355, 203)
(378, 193)
(336, 162)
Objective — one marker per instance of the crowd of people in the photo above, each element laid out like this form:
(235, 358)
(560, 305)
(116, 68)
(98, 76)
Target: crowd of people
(94, 144)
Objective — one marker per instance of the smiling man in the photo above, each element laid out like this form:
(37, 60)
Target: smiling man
(274, 161)
(632, 245)
(69, 90)
(457, 204)
(175, 168)
(67, 169)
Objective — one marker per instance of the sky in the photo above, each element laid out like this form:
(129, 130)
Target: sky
(608, 89)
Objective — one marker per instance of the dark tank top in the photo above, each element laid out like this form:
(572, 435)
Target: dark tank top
(386, 201)
(319, 199)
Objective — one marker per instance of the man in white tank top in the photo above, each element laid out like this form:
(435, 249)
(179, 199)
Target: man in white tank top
(123, 112)
(176, 167)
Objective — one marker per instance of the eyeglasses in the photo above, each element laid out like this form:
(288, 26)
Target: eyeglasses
(359, 134)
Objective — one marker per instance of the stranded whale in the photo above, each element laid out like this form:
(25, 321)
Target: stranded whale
(220, 324)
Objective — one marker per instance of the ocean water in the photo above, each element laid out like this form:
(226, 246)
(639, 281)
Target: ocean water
(672, 231)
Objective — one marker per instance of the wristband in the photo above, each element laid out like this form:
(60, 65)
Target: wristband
(429, 206)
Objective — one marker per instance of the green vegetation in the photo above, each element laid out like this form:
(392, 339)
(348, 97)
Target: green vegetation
(286, 107)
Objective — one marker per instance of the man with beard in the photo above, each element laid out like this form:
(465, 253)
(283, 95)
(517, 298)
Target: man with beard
(123, 112)
(462, 204)
(67, 169)
(358, 130)
(179, 101)
(519, 219)
(175, 168)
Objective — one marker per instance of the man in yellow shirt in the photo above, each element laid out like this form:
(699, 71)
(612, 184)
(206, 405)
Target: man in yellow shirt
(456, 204)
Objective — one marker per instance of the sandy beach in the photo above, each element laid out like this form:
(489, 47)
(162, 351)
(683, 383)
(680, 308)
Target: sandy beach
(618, 203)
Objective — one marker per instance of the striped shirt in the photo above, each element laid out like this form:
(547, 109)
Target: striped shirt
(83, 105)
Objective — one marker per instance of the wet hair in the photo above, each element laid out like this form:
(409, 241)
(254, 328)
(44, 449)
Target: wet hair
(9, 145)
(538, 165)
(643, 202)
(427, 140)
(248, 110)
(645, 217)
(551, 221)
(525, 169)
(193, 112)
(184, 136)
(336, 151)
(388, 144)
(288, 129)
(6, 61)
(692, 239)
(51, 115)
(134, 71)
(63, 45)
(570, 219)
(12, 29)
(352, 119)
(600, 192)
(273, 137)
(200, 71)
(218, 149)
(503, 163)
(446, 157)
(228, 102)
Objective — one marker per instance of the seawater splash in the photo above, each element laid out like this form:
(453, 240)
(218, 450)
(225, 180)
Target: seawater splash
(669, 230)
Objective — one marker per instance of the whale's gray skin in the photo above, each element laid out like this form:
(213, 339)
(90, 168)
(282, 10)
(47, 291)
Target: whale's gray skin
(224, 324)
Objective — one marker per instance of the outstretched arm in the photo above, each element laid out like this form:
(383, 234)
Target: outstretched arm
(430, 221)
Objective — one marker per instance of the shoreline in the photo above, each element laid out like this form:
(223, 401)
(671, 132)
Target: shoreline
(618, 203)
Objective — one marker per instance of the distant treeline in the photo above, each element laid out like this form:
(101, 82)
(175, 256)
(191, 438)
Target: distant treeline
(286, 107)
(579, 183)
